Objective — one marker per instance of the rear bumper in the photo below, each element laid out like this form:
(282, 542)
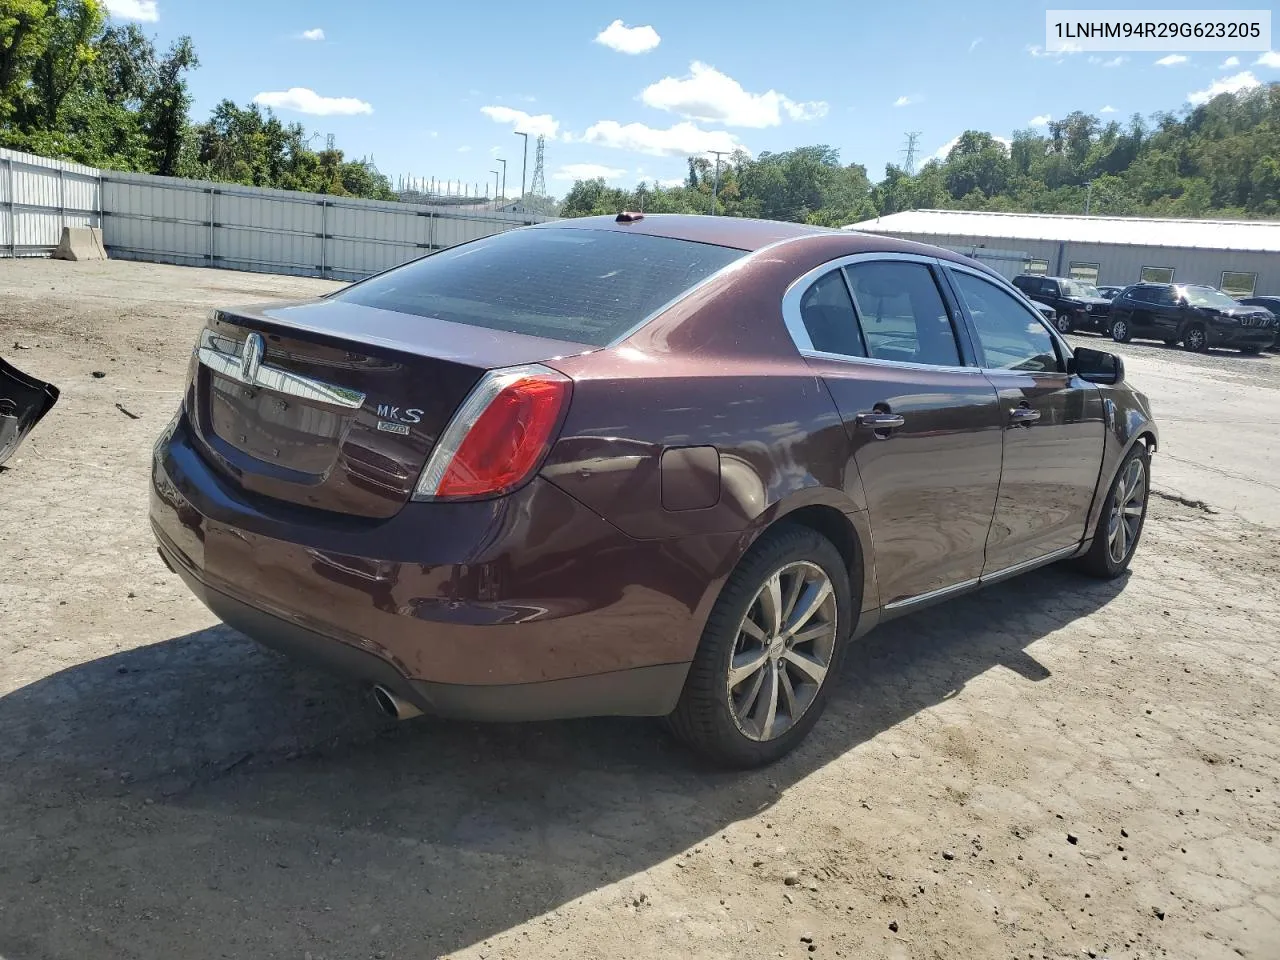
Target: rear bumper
(641, 691)
(531, 607)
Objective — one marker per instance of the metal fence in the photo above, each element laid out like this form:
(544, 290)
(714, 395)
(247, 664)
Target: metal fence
(197, 223)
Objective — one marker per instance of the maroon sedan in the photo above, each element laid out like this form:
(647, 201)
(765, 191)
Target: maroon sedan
(658, 466)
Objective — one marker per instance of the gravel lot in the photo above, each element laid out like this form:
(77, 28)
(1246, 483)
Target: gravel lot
(1052, 768)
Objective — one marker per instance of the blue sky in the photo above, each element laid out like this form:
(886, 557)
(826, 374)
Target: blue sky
(436, 89)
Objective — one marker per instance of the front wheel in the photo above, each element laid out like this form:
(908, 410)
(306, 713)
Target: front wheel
(1063, 323)
(1119, 528)
(764, 668)
(1195, 339)
(1120, 331)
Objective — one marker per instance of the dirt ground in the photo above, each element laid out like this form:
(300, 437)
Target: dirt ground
(1051, 768)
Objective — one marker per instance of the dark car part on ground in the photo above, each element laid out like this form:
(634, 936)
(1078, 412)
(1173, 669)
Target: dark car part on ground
(1077, 305)
(24, 401)
(660, 466)
(1197, 316)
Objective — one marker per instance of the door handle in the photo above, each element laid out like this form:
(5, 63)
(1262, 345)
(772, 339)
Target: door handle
(1023, 415)
(878, 420)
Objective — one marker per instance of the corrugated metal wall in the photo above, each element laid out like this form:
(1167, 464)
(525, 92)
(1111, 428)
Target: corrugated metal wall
(1122, 264)
(197, 223)
(38, 197)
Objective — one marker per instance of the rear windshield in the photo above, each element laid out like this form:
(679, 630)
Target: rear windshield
(581, 285)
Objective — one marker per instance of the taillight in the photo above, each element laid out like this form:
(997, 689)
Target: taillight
(499, 435)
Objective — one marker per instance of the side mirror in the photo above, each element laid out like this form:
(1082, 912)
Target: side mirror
(1097, 366)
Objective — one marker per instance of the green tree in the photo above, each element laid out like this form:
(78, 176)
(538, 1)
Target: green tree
(23, 38)
(71, 30)
(165, 106)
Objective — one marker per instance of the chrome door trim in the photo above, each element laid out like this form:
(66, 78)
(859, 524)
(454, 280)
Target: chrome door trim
(931, 595)
(229, 358)
(1026, 565)
(804, 343)
(983, 580)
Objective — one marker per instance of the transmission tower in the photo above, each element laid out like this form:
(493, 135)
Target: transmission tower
(909, 152)
(539, 185)
(329, 141)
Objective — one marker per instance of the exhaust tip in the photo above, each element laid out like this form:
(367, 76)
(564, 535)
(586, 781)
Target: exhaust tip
(393, 706)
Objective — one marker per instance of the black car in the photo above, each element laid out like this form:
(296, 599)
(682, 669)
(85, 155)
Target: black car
(1110, 292)
(1077, 305)
(1267, 303)
(1197, 316)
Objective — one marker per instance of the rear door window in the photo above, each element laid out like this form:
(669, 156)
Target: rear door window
(1011, 336)
(580, 285)
(828, 316)
(902, 313)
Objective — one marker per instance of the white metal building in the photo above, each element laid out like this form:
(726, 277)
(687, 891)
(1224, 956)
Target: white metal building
(1241, 257)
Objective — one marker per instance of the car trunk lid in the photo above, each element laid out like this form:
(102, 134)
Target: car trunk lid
(336, 405)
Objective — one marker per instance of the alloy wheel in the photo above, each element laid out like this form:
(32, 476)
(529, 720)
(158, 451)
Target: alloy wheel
(1195, 339)
(1127, 506)
(783, 651)
(1119, 331)
(1063, 324)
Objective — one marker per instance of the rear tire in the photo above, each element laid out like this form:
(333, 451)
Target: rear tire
(1063, 322)
(731, 723)
(1120, 331)
(1195, 340)
(1126, 505)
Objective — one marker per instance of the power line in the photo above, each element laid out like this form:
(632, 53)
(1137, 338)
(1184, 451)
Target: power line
(715, 183)
(538, 187)
(909, 152)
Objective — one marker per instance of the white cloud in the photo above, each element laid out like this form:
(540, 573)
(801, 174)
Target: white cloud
(681, 140)
(1228, 63)
(1108, 109)
(618, 36)
(313, 34)
(1067, 49)
(672, 182)
(133, 10)
(707, 94)
(588, 171)
(973, 44)
(1113, 62)
(1269, 59)
(906, 101)
(433, 134)
(1040, 121)
(1172, 60)
(464, 149)
(304, 100)
(542, 125)
(1232, 84)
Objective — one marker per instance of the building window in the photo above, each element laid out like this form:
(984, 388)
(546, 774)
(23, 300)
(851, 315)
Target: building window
(1238, 284)
(1035, 267)
(1084, 272)
(1156, 275)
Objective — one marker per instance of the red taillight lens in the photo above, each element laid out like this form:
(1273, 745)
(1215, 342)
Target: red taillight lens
(498, 436)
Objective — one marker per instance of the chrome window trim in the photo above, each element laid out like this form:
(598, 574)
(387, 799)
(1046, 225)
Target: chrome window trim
(800, 335)
(1029, 305)
(225, 356)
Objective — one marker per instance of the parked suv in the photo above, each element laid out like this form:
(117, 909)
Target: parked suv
(1195, 315)
(1267, 303)
(1078, 305)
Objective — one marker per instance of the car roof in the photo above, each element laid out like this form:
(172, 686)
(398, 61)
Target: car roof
(741, 233)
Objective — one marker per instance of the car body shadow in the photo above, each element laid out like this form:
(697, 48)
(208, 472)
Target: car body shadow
(201, 797)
